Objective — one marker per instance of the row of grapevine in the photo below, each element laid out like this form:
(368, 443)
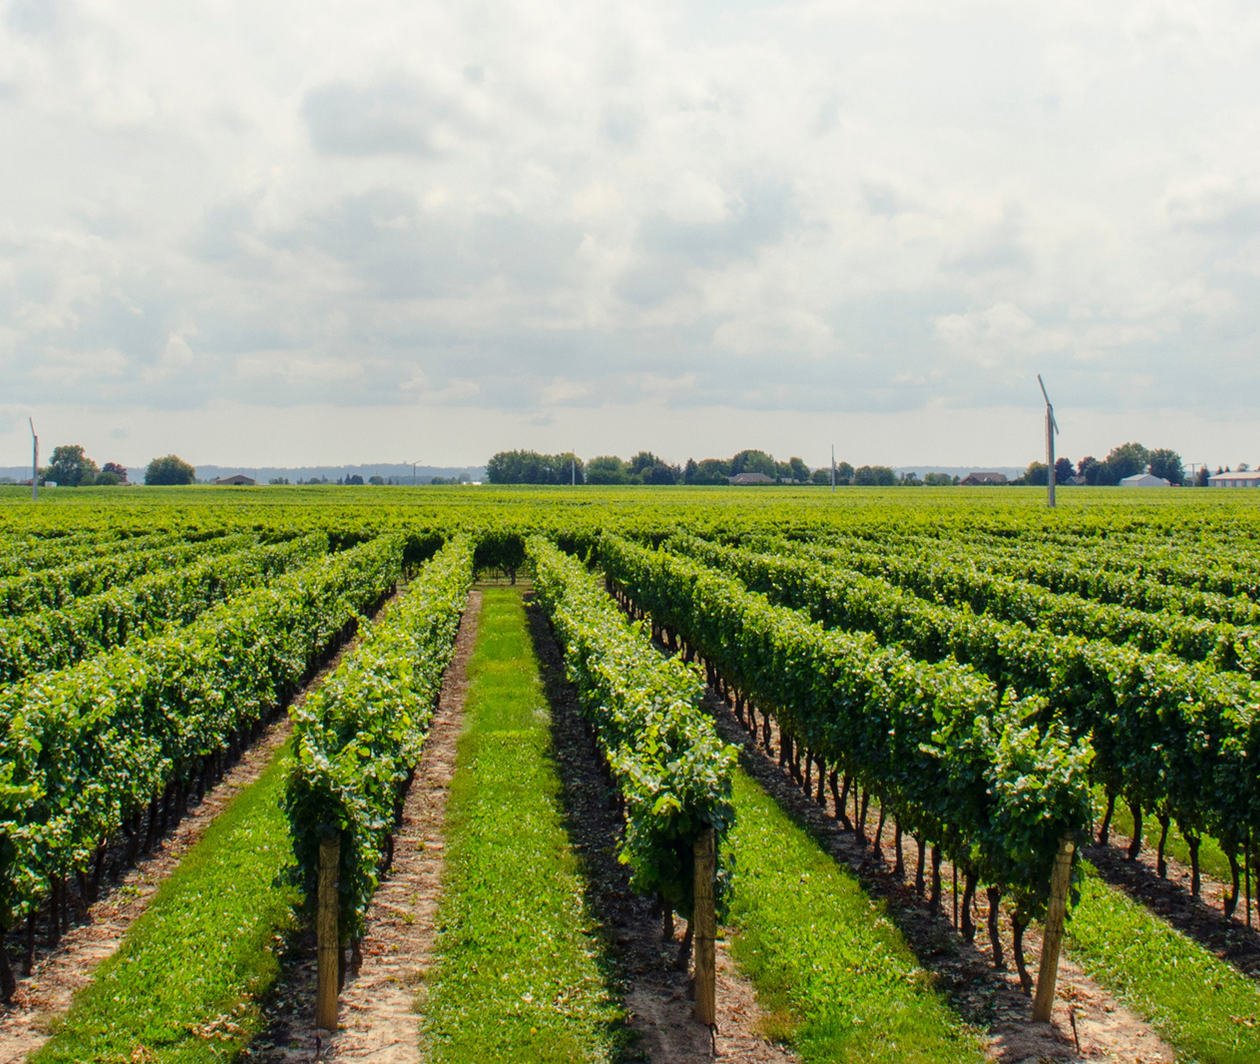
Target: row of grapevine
(50, 588)
(84, 752)
(1177, 738)
(360, 733)
(58, 638)
(670, 766)
(983, 779)
(970, 582)
(1109, 576)
(29, 555)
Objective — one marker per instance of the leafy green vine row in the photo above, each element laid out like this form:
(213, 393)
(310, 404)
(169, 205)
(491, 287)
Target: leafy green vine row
(86, 751)
(981, 778)
(58, 638)
(671, 768)
(360, 733)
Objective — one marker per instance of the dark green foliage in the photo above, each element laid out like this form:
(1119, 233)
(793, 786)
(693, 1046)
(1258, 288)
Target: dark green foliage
(169, 470)
(84, 750)
(530, 467)
(70, 467)
(959, 766)
(664, 753)
(58, 638)
(360, 734)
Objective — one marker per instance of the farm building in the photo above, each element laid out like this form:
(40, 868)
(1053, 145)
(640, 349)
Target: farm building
(1244, 479)
(1144, 480)
(751, 478)
(239, 480)
(972, 480)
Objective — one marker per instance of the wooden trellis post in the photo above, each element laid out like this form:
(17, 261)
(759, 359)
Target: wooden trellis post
(704, 937)
(1052, 939)
(327, 935)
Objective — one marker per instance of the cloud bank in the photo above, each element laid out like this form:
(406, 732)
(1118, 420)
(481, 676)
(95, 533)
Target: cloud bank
(628, 222)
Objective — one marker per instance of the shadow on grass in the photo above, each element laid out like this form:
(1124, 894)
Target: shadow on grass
(963, 972)
(1226, 937)
(637, 961)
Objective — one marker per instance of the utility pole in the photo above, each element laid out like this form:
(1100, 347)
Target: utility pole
(833, 467)
(34, 461)
(572, 470)
(1052, 427)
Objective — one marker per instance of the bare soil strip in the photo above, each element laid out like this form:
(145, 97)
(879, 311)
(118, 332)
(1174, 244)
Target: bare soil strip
(377, 1018)
(657, 995)
(1202, 919)
(1086, 1013)
(58, 975)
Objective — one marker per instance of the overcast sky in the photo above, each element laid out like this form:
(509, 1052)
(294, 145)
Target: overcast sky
(300, 232)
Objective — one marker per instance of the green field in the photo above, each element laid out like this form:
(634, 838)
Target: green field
(988, 668)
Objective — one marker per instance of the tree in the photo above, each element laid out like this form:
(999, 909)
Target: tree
(799, 470)
(874, 476)
(711, 471)
(753, 462)
(108, 479)
(1037, 473)
(376, 480)
(70, 467)
(530, 467)
(1201, 478)
(117, 469)
(607, 469)
(642, 462)
(661, 474)
(844, 473)
(821, 476)
(1063, 470)
(939, 480)
(1089, 469)
(169, 469)
(1167, 464)
(1124, 461)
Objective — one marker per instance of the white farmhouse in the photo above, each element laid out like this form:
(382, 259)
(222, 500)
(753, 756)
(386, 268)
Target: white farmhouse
(1144, 480)
(1246, 479)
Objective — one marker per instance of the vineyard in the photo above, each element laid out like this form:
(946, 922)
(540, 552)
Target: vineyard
(626, 774)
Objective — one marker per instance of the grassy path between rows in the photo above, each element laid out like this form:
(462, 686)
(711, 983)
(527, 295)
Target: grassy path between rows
(1203, 1007)
(186, 981)
(833, 973)
(521, 971)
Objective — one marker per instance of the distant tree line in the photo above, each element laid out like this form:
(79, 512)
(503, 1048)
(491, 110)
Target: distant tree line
(70, 467)
(1126, 460)
(530, 467)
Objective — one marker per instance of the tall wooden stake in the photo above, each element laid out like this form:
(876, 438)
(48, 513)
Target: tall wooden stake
(328, 944)
(705, 919)
(1052, 939)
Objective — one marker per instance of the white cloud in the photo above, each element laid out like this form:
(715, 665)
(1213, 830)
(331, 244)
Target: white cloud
(390, 204)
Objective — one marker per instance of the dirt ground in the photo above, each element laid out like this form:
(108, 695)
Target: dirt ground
(376, 1018)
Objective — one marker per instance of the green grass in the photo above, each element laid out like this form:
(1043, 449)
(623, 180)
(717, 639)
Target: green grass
(1212, 861)
(185, 983)
(521, 972)
(837, 979)
(1207, 1010)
